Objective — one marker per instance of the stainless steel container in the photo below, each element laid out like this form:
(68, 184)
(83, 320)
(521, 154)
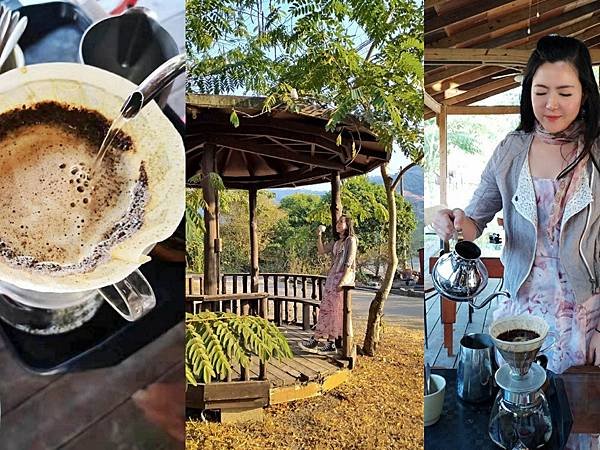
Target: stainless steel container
(131, 45)
(475, 375)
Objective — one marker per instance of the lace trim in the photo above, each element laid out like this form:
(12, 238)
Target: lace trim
(524, 198)
(581, 198)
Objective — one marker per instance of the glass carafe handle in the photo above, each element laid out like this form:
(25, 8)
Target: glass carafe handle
(131, 298)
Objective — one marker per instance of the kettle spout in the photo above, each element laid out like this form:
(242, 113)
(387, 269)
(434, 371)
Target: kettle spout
(489, 299)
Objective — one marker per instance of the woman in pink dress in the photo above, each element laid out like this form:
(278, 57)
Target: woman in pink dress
(342, 272)
(545, 178)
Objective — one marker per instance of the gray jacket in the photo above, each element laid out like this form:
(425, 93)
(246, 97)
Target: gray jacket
(506, 184)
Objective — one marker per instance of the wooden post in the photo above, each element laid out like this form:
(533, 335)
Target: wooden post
(421, 280)
(252, 199)
(211, 275)
(448, 318)
(442, 121)
(336, 202)
(349, 350)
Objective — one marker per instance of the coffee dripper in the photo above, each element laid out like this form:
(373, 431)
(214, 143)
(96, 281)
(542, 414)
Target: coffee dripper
(460, 275)
(520, 416)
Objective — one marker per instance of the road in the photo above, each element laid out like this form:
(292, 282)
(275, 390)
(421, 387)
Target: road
(407, 311)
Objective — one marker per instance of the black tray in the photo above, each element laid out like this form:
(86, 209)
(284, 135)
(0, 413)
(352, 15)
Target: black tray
(107, 339)
(53, 35)
(464, 426)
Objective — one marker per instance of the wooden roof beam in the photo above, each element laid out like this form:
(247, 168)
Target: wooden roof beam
(482, 110)
(445, 72)
(465, 37)
(483, 56)
(470, 101)
(234, 143)
(590, 33)
(434, 3)
(326, 142)
(477, 110)
(479, 90)
(464, 78)
(468, 12)
(544, 27)
(432, 104)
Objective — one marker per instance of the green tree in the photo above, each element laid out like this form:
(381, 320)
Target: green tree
(194, 230)
(234, 228)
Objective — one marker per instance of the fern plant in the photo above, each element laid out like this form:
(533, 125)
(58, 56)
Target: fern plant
(217, 341)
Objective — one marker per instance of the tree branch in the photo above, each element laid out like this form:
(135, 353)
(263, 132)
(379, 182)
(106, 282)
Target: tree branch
(403, 171)
(371, 48)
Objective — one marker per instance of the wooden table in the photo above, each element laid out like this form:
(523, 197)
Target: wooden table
(88, 410)
(448, 307)
(583, 391)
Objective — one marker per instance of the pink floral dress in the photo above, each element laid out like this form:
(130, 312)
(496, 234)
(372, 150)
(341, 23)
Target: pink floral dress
(331, 310)
(547, 293)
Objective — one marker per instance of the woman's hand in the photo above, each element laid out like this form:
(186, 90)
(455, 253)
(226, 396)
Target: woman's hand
(593, 356)
(448, 221)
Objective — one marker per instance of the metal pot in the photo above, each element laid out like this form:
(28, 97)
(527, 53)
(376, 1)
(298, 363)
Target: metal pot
(131, 45)
(461, 276)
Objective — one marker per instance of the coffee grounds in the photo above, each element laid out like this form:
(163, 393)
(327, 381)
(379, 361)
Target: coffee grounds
(85, 123)
(518, 335)
(59, 224)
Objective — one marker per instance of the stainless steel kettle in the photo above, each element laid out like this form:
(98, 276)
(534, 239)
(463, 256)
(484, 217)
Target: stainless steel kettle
(460, 275)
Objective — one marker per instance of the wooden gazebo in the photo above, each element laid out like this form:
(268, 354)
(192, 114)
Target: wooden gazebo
(475, 50)
(273, 149)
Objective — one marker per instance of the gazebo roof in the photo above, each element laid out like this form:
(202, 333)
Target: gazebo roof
(475, 48)
(276, 148)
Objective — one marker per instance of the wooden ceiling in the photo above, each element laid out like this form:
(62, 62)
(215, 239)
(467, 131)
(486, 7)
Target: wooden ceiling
(464, 77)
(278, 148)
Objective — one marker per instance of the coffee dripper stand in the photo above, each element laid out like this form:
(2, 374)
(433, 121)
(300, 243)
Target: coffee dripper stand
(520, 417)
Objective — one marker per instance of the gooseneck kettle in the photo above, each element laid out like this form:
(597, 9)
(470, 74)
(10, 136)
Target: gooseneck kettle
(460, 275)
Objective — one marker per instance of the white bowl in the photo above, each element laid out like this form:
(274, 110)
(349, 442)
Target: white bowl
(15, 59)
(432, 407)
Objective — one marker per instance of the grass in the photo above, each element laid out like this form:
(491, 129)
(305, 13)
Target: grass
(380, 407)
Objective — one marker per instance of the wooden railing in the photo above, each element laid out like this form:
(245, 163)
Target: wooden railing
(240, 304)
(292, 299)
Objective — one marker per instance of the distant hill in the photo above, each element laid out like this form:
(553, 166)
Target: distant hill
(282, 193)
(413, 189)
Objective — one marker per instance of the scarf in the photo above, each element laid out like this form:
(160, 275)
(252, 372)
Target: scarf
(570, 182)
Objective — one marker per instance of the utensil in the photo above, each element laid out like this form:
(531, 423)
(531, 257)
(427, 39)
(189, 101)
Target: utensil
(433, 403)
(520, 411)
(13, 39)
(4, 24)
(16, 15)
(153, 85)
(460, 275)
(475, 374)
(427, 379)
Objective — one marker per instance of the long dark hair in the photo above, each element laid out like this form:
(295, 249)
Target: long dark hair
(556, 48)
(349, 227)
